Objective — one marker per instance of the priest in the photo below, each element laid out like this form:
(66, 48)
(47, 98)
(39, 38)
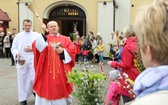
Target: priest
(54, 58)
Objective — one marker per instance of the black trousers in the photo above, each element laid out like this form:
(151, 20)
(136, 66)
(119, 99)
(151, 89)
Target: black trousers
(77, 57)
(97, 57)
(7, 52)
(12, 59)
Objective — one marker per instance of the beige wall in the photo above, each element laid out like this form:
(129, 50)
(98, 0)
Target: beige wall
(137, 4)
(40, 5)
(90, 6)
(99, 17)
(11, 8)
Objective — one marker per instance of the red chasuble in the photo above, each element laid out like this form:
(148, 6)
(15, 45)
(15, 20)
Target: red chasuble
(50, 71)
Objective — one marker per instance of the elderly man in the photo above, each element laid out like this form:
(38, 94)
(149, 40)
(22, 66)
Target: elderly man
(113, 44)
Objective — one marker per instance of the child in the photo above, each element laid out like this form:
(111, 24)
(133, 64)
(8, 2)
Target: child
(119, 52)
(85, 50)
(119, 86)
(100, 49)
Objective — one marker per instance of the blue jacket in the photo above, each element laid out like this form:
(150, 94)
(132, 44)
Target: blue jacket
(151, 80)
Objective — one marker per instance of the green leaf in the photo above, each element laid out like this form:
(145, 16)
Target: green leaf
(87, 85)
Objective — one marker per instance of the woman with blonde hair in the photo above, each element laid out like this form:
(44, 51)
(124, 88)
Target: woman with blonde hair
(128, 55)
(151, 86)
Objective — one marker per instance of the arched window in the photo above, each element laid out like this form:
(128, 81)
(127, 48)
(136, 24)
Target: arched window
(67, 11)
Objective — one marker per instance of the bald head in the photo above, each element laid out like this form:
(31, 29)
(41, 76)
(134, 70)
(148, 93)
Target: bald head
(51, 22)
(112, 33)
(53, 27)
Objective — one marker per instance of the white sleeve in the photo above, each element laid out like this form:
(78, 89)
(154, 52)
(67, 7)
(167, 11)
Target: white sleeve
(14, 48)
(67, 57)
(40, 43)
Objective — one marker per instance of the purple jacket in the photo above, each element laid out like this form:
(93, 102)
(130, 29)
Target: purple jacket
(151, 80)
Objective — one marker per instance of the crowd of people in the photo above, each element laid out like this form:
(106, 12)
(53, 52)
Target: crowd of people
(43, 61)
(89, 48)
(6, 40)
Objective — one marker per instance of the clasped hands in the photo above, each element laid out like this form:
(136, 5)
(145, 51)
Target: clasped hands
(28, 49)
(58, 48)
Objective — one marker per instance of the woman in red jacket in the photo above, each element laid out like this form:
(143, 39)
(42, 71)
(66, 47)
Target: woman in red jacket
(128, 55)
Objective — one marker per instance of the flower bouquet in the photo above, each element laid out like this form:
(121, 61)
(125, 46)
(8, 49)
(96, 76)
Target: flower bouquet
(87, 86)
(138, 60)
(110, 54)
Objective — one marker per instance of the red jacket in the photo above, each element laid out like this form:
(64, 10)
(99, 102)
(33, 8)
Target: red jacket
(127, 57)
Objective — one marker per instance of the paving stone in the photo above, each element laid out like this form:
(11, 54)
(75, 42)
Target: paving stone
(8, 83)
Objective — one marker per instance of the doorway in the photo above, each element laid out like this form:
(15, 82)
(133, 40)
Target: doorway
(67, 27)
(66, 16)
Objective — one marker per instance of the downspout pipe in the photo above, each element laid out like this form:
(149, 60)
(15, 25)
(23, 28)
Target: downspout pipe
(18, 3)
(114, 8)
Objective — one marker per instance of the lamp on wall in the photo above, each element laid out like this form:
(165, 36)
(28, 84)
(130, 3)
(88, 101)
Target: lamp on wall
(66, 9)
(115, 6)
(104, 3)
(26, 4)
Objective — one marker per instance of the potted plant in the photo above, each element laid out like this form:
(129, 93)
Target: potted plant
(87, 86)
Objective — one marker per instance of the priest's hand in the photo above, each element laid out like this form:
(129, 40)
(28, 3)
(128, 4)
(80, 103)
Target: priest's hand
(18, 55)
(28, 49)
(59, 50)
